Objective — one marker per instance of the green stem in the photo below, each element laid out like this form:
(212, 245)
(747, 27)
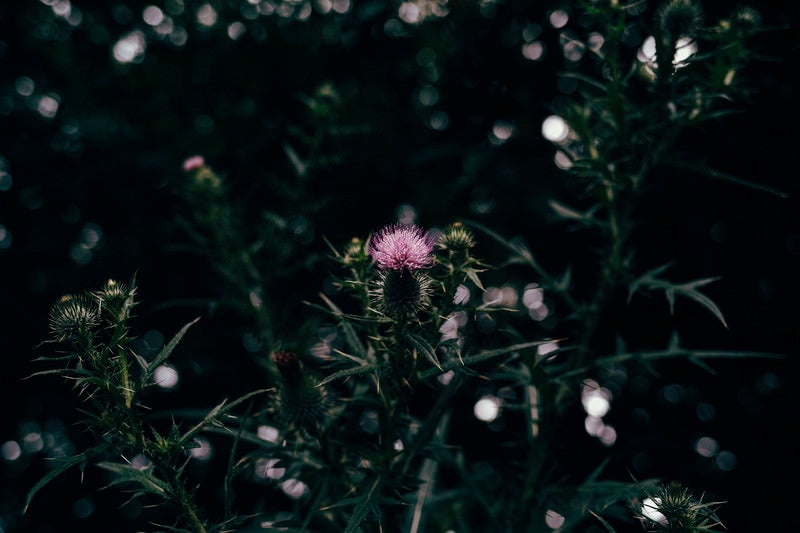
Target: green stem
(127, 392)
(184, 500)
(613, 272)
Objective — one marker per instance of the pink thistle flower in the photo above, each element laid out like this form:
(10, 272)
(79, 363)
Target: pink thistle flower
(192, 163)
(402, 247)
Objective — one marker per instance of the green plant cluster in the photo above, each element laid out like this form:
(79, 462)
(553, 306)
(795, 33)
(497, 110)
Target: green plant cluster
(366, 418)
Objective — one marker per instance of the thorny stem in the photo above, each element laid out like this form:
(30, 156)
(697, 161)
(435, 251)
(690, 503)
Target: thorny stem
(183, 499)
(427, 475)
(431, 425)
(615, 90)
(614, 267)
(533, 467)
(126, 385)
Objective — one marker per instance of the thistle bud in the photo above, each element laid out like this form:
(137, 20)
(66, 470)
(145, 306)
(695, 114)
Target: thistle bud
(355, 252)
(73, 317)
(676, 25)
(747, 17)
(205, 179)
(300, 401)
(289, 366)
(457, 238)
(116, 299)
(680, 18)
(674, 508)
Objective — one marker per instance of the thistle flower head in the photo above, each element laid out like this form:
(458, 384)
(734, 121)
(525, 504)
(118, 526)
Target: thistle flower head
(72, 316)
(402, 247)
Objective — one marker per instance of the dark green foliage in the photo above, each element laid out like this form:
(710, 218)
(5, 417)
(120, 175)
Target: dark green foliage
(358, 386)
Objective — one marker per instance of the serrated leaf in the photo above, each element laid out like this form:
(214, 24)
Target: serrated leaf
(65, 463)
(472, 274)
(349, 372)
(363, 508)
(703, 169)
(603, 87)
(353, 358)
(484, 355)
(564, 211)
(595, 474)
(603, 521)
(706, 302)
(216, 413)
(646, 279)
(570, 213)
(141, 360)
(669, 294)
(674, 343)
(352, 339)
(300, 167)
(565, 281)
(48, 372)
(133, 474)
(516, 247)
(650, 280)
(166, 352)
(422, 346)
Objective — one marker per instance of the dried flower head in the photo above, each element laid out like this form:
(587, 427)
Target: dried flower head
(72, 316)
(402, 247)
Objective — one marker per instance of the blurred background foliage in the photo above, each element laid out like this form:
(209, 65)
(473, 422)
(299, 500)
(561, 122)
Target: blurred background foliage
(328, 119)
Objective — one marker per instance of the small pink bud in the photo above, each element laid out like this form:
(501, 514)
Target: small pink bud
(288, 364)
(193, 163)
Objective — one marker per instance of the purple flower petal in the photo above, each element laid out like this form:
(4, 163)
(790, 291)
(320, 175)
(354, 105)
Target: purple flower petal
(402, 246)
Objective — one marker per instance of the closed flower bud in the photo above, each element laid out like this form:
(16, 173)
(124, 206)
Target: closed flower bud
(205, 179)
(747, 17)
(300, 401)
(680, 18)
(457, 238)
(289, 366)
(116, 299)
(674, 508)
(355, 252)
